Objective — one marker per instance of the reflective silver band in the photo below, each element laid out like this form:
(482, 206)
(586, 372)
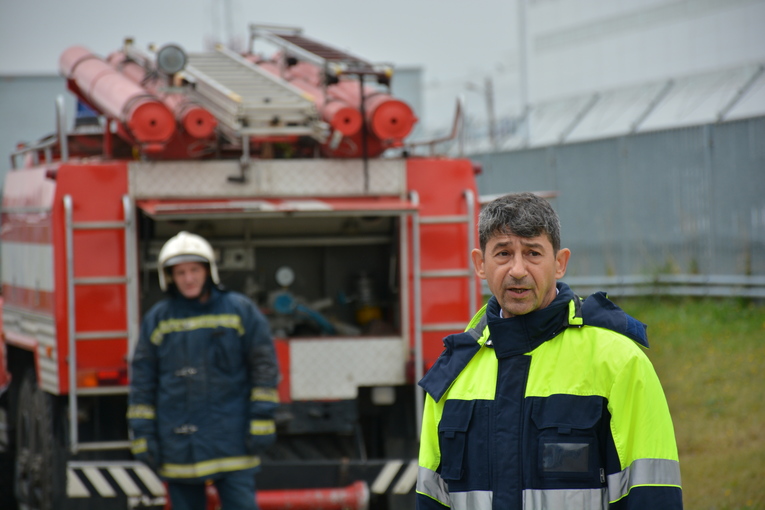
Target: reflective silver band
(661, 472)
(432, 485)
(553, 499)
(643, 472)
(473, 500)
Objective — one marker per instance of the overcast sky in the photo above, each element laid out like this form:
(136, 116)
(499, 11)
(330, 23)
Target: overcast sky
(454, 41)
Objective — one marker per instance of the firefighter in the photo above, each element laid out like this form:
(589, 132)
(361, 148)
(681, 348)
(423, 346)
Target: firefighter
(203, 387)
(546, 401)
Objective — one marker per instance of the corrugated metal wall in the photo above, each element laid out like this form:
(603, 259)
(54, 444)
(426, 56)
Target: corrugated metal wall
(687, 201)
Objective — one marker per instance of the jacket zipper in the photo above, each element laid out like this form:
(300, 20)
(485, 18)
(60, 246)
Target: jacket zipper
(522, 432)
(490, 434)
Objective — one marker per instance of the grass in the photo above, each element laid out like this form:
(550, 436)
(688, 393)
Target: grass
(710, 357)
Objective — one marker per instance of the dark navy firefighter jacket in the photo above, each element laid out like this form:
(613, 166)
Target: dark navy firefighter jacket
(203, 387)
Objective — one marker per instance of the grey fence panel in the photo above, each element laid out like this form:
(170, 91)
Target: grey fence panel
(687, 201)
(738, 195)
(667, 219)
(593, 223)
(502, 170)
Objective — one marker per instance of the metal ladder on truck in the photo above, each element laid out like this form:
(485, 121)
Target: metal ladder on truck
(335, 61)
(95, 472)
(419, 275)
(248, 101)
(76, 337)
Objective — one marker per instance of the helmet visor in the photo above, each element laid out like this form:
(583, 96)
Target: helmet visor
(178, 259)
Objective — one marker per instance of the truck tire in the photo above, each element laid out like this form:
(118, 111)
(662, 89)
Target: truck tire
(40, 454)
(7, 454)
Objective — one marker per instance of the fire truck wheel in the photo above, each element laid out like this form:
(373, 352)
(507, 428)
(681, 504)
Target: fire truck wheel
(7, 499)
(39, 472)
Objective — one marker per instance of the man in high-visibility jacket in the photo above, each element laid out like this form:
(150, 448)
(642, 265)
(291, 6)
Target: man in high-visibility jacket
(546, 401)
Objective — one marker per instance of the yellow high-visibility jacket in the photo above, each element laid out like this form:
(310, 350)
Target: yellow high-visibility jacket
(556, 409)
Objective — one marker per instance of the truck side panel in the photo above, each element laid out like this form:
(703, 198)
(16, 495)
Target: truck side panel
(98, 253)
(448, 215)
(28, 277)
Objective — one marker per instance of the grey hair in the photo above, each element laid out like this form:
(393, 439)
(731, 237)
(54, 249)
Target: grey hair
(522, 214)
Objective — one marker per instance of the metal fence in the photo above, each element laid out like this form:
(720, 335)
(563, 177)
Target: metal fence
(680, 211)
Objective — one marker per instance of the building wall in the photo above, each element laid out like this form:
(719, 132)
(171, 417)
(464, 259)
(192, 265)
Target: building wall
(583, 46)
(28, 111)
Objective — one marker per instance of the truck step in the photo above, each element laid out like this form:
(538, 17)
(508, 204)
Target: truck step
(111, 479)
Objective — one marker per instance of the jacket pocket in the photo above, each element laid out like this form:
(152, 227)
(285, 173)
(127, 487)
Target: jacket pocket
(568, 439)
(452, 434)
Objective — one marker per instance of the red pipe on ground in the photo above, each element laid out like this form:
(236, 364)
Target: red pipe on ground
(146, 118)
(352, 497)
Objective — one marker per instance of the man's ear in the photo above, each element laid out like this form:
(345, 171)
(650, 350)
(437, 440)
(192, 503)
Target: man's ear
(478, 263)
(561, 261)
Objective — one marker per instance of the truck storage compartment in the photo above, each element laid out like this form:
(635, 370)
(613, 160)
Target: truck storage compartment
(311, 273)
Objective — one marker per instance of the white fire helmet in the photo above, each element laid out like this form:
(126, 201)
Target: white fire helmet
(185, 247)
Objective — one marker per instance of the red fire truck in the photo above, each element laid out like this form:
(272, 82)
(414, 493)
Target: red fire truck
(294, 165)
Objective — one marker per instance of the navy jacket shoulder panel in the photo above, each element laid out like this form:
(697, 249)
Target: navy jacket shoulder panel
(599, 311)
(459, 349)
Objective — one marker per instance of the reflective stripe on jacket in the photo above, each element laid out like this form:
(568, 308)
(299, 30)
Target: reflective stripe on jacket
(555, 409)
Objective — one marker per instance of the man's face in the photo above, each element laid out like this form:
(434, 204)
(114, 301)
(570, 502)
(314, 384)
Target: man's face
(189, 278)
(520, 271)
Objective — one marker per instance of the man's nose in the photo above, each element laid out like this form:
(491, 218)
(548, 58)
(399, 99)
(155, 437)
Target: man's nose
(517, 268)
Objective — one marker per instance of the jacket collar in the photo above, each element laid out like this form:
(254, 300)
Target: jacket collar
(524, 333)
(195, 303)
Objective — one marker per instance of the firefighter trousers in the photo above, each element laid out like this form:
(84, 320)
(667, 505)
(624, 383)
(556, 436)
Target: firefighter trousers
(236, 491)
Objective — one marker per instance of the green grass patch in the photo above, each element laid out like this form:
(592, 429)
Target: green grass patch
(710, 357)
